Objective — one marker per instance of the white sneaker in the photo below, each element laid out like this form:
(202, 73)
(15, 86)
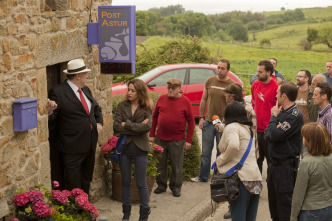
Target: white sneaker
(196, 179)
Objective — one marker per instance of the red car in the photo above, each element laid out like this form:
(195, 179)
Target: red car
(193, 77)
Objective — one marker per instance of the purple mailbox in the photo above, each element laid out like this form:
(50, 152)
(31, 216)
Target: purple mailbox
(25, 114)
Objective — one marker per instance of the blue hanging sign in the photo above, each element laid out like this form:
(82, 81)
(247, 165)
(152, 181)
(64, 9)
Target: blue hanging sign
(116, 35)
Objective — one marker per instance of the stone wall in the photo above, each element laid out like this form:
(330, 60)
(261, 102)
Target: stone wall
(32, 36)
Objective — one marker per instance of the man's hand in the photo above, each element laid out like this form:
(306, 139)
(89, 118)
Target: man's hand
(99, 127)
(152, 139)
(51, 106)
(276, 110)
(187, 146)
(200, 123)
(145, 121)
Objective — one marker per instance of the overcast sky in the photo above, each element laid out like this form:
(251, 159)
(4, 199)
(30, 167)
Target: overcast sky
(220, 6)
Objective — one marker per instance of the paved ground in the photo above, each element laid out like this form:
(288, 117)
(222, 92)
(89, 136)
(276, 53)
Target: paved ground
(193, 205)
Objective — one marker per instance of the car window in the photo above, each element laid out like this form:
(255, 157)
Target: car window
(161, 80)
(199, 75)
(144, 77)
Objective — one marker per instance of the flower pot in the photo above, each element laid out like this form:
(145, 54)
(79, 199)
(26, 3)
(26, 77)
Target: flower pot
(134, 195)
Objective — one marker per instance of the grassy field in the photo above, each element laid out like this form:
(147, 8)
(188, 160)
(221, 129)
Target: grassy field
(244, 58)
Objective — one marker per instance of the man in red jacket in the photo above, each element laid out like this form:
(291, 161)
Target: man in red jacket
(263, 94)
(170, 116)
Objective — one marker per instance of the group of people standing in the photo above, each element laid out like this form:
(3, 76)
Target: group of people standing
(275, 116)
(281, 109)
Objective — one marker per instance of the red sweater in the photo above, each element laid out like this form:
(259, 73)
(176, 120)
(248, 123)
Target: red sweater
(263, 99)
(170, 116)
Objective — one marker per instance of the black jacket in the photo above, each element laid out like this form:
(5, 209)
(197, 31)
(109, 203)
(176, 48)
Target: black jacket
(70, 123)
(285, 139)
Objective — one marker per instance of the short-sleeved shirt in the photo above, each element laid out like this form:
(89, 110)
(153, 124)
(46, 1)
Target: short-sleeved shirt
(216, 101)
(329, 80)
(301, 102)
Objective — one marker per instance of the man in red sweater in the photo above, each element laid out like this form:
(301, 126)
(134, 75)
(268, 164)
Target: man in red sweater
(170, 116)
(263, 94)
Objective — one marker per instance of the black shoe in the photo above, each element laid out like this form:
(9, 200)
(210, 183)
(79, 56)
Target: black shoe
(177, 193)
(159, 190)
(144, 213)
(228, 215)
(126, 212)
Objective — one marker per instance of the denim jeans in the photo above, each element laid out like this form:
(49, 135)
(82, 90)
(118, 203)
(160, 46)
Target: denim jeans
(246, 206)
(263, 148)
(209, 133)
(324, 214)
(132, 154)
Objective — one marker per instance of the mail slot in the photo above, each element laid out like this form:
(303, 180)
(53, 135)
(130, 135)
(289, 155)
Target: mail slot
(25, 114)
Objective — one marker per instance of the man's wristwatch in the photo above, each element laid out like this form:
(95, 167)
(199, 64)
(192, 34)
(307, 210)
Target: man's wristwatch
(274, 114)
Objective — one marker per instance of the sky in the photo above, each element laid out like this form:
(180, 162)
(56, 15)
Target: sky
(220, 6)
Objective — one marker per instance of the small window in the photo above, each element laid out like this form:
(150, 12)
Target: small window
(161, 80)
(56, 5)
(199, 75)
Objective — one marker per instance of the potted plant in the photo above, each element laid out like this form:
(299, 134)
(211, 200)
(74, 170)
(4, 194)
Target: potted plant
(152, 170)
(39, 203)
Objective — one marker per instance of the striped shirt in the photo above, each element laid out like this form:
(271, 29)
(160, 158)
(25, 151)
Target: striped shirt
(325, 118)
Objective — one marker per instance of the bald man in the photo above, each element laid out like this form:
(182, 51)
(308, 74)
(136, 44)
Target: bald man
(313, 110)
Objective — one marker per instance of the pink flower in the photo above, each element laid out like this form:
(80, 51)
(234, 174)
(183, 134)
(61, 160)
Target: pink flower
(158, 149)
(21, 199)
(41, 209)
(83, 201)
(109, 146)
(35, 196)
(67, 192)
(76, 192)
(14, 219)
(56, 183)
(94, 211)
(52, 211)
(59, 196)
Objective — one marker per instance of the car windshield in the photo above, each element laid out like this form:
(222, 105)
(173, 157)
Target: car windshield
(149, 74)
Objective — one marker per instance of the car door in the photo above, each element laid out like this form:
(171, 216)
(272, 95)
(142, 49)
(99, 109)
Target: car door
(159, 83)
(196, 82)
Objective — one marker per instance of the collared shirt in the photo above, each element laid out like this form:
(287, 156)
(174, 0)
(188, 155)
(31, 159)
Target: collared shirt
(75, 89)
(329, 80)
(325, 118)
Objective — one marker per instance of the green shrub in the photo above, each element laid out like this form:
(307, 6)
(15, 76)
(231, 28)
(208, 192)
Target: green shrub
(265, 42)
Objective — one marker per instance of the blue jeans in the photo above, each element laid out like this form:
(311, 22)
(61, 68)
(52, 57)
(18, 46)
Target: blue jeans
(132, 154)
(208, 136)
(246, 206)
(324, 214)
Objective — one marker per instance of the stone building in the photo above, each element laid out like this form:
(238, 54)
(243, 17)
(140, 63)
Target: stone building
(37, 39)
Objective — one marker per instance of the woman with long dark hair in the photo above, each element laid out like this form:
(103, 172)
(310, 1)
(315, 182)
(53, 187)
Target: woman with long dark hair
(133, 118)
(233, 144)
(312, 197)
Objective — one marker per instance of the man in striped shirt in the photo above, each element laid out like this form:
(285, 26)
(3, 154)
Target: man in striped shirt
(321, 97)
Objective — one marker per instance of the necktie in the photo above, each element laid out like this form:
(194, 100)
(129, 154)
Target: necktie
(85, 105)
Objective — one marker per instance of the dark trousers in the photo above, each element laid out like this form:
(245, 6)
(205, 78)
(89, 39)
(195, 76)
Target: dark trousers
(57, 171)
(280, 186)
(78, 170)
(132, 154)
(174, 152)
(263, 148)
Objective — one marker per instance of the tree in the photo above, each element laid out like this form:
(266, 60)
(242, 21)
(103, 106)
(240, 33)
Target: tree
(169, 10)
(237, 30)
(312, 35)
(141, 23)
(325, 36)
